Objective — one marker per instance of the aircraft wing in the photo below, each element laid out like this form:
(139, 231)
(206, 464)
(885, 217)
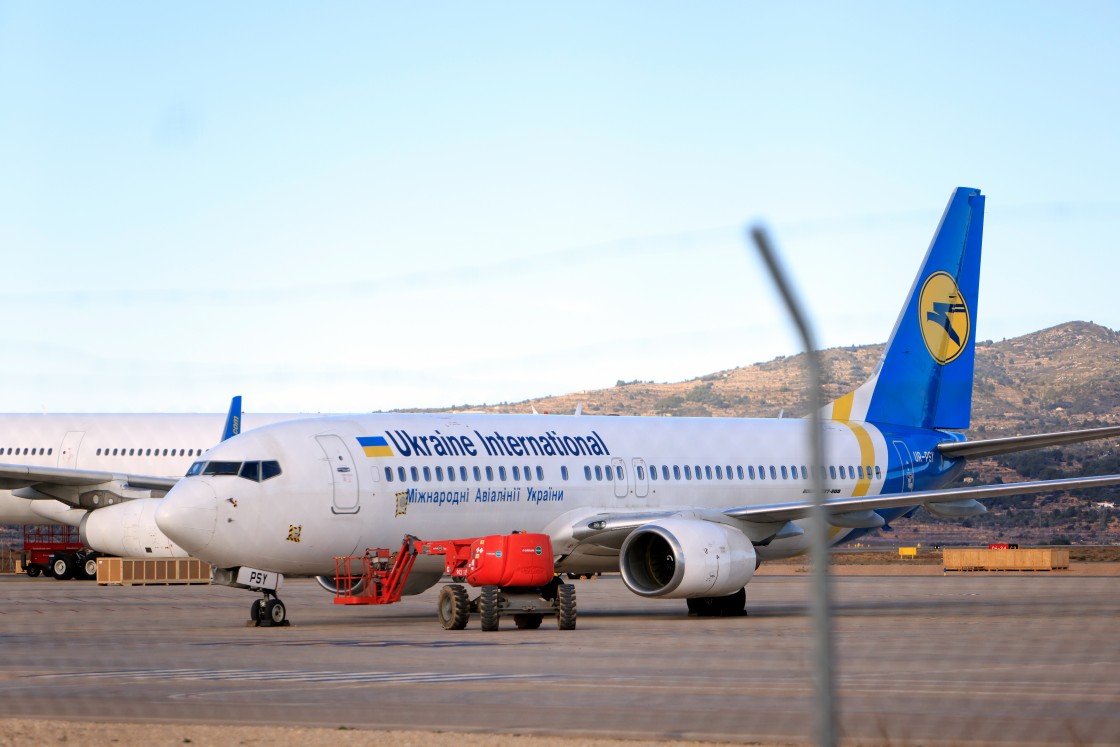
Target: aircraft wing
(77, 487)
(1011, 444)
(610, 529)
(780, 512)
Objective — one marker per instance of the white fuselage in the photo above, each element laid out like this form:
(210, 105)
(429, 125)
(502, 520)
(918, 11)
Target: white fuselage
(357, 482)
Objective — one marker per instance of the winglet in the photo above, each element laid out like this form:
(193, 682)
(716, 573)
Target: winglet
(233, 419)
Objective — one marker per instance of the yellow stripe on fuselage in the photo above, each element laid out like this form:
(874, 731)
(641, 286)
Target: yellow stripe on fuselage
(842, 411)
(842, 408)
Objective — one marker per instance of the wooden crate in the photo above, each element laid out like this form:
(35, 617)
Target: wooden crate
(1031, 559)
(137, 571)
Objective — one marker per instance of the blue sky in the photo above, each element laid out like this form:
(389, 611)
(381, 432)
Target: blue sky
(351, 207)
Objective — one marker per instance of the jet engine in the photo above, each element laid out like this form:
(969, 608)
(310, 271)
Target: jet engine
(680, 558)
(128, 530)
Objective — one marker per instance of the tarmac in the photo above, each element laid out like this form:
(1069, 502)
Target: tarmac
(924, 658)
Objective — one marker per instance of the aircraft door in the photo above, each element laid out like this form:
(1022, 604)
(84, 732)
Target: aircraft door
(68, 454)
(641, 478)
(621, 486)
(907, 463)
(344, 480)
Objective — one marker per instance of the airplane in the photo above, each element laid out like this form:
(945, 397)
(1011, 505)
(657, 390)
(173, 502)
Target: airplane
(683, 507)
(58, 468)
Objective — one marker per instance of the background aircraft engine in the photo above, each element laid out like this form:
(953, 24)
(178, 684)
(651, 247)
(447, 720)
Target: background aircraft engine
(678, 558)
(128, 530)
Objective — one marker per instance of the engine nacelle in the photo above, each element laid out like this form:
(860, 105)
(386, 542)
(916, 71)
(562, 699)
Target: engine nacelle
(128, 530)
(677, 558)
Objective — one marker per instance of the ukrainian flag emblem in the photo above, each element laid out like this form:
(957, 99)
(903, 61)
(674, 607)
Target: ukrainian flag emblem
(375, 446)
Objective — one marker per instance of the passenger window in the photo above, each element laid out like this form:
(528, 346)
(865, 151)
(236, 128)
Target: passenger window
(687, 472)
(132, 452)
(502, 474)
(598, 472)
(877, 473)
(451, 474)
(707, 471)
(618, 472)
(400, 474)
(641, 472)
(415, 474)
(516, 473)
(98, 452)
(676, 472)
(388, 474)
(739, 471)
(861, 471)
(463, 473)
(477, 475)
(785, 473)
(563, 472)
(587, 472)
(653, 472)
(490, 474)
(439, 474)
(832, 471)
(804, 472)
(251, 471)
(540, 473)
(427, 474)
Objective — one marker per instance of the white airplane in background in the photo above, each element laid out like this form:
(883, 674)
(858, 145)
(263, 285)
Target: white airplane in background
(683, 507)
(56, 469)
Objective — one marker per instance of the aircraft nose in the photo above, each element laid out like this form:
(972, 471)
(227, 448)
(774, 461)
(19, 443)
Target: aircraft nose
(188, 515)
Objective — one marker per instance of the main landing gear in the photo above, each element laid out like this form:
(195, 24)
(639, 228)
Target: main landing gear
(732, 605)
(268, 611)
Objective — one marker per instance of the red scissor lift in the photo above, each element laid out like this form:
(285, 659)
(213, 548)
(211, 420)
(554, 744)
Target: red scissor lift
(48, 545)
(513, 572)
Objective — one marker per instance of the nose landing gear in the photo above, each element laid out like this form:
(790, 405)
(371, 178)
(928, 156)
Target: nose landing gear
(268, 612)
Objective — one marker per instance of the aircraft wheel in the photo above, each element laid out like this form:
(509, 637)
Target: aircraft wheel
(89, 569)
(488, 607)
(566, 607)
(62, 567)
(528, 620)
(255, 609)
(454, 607)
(274, 613)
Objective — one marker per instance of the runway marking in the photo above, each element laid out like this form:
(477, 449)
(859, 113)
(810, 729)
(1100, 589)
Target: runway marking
(288, 675)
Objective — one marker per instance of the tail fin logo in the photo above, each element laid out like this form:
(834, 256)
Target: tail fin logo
(944, 318)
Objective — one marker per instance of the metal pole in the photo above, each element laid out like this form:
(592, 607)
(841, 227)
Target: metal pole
(825, 710)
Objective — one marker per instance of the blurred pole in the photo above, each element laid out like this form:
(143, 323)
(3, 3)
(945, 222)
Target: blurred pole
(825, 707)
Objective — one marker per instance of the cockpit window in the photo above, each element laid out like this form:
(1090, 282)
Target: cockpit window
(222, 468)
(254, 471)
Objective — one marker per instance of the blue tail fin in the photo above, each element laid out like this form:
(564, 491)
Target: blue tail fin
(924, 378)
(233, 419)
